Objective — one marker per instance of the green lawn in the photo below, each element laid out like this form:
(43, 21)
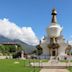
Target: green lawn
(7, 65)
(70, 69)
(10, 66)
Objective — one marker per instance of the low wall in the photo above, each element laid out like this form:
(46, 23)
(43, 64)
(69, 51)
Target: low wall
(5, 57)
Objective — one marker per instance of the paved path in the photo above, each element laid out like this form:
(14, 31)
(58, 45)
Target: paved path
(53, 66)
(54, 70)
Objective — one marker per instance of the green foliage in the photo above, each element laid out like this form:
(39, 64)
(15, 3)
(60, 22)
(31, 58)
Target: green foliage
(2, 48)
(70, 69)
(39, 50)
(7, 49)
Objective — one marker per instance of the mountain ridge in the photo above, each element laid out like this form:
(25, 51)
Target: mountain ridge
(27, 48)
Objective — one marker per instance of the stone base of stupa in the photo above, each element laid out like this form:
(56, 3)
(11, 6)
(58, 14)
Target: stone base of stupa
(51, 64)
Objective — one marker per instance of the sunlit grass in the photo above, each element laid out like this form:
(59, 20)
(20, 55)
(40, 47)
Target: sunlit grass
(10, 66)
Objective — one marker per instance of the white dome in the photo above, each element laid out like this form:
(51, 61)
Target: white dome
(54, 30)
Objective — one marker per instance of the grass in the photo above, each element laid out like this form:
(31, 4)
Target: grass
(38, 60)
(70, 69)
(9, 66)
(63, 60)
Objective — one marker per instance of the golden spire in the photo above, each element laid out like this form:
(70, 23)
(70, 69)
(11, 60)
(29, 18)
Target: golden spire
(54, 13)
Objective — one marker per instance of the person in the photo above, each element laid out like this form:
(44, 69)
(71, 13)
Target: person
(65, 58)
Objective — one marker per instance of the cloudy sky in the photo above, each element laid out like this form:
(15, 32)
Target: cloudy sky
(27, 20)
(12, 31)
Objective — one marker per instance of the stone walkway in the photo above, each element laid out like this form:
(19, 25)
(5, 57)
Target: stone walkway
(52, 66)
(54, 70)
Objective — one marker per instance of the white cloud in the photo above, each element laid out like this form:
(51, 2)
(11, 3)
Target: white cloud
(70, 42)
(12, 31)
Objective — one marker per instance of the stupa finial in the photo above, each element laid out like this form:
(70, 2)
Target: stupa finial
(54, 13)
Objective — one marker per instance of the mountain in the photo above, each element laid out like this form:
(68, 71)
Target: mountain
(4, 39)
(27, 48)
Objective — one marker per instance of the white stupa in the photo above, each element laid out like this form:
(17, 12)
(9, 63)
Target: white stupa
(54, 36)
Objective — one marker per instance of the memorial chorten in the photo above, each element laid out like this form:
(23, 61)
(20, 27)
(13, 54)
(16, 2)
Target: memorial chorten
(53, 44)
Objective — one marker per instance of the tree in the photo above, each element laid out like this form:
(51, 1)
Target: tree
(39, 50)
(7, 49)
(68, 50)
